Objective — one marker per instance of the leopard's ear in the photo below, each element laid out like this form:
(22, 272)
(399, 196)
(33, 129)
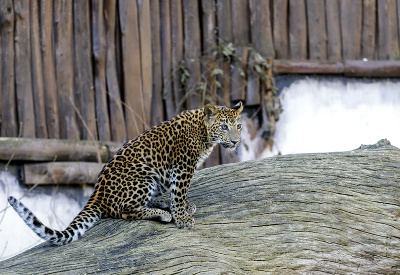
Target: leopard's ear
(210, 111)
(238, 107)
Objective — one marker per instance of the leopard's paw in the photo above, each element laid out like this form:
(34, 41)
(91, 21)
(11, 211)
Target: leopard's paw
(190, 207)
(185, 222)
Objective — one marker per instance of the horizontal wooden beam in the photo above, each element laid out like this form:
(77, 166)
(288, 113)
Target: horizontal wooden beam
(26, 149)
(350, 68)
(68, 173)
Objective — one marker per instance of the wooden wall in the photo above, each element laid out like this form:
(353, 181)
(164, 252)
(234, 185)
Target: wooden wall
(107, 69)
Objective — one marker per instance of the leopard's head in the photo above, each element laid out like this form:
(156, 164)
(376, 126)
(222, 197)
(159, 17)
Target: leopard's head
(223, 125)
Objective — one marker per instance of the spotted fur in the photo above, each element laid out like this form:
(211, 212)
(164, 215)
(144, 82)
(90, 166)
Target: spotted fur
(149, 177)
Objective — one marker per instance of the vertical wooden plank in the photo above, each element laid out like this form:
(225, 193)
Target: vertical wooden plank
(1, 74)
(99, 53)
(208, 63)
(177, 53)
(49, 71)
(224, 24)
(83, 71)
(192, 50)
(261, 29)
(157, 109)
(132, 64)
(350, 21)
(398, 17)
(23, 78)
(64, 69)
(297, 29)
(253, 96)
(9, 127)
(145, 49)
(316, 23)
(117, 120)
(368, 29)
(208, 21)
(240, 38)
(261, 36)
(166, 58)
(280, 29)
(333, 30)
(37, 72)
(388, 40)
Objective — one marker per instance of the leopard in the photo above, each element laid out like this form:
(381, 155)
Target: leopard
(149, 176)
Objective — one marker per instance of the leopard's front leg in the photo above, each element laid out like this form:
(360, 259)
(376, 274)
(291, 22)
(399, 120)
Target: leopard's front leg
(180, 182)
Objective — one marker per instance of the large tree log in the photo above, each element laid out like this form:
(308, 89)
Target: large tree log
(293, 214)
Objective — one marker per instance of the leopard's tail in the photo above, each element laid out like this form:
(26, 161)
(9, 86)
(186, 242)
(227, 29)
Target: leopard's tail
(85, 220)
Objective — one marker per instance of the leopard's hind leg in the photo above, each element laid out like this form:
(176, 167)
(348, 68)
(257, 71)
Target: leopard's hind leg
(147, 214)
(141, 207)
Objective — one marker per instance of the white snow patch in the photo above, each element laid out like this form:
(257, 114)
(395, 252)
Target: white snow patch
(56, 211)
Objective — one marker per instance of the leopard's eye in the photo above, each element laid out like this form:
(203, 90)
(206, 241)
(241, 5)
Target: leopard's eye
(239, 126)
(224, 127)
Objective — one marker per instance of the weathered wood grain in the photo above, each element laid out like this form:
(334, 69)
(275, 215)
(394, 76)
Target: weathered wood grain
(157, 106)
(297, 30)
(9, 126)
(294, 214)
(165, 27)
(23, 75)
(224, 23)
(117, 120)
(316, 23)
(99, 55)
(49, 70)
(64, 69)
(368, 29)
(146, 59)
(388, 36)
(240, 38)
(334, 37)
(177, 53)
(192, 41)
(351, 24)
(280, 32)
(27, 150)
(83, 71)
(37, 71)
(351, 68)
(261, 28)
(133, 96)
(70, 173)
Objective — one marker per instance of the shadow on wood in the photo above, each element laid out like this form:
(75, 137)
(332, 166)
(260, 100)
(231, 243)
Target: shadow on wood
(299, 214)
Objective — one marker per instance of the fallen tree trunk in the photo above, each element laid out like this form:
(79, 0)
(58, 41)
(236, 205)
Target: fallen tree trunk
(296, 214)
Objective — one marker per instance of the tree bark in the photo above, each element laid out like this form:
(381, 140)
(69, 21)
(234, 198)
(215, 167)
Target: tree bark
(293, 214)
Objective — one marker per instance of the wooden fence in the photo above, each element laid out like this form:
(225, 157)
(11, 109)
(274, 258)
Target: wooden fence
(106, 70)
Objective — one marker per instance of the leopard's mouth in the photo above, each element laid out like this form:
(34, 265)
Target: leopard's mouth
(229, 145)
